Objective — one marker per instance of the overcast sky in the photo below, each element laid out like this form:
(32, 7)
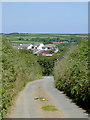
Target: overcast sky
(45, 17)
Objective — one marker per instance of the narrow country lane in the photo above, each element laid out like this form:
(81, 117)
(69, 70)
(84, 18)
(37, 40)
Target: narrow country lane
(28, 105)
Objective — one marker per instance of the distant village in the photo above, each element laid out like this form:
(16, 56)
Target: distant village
(39, 48)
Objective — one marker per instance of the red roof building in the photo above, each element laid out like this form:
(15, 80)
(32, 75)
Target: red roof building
(45, 53)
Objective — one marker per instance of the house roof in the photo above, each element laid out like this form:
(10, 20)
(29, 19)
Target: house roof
(16, 47)
(37, 51)
(45, 52)
(37, 44)
(25, 45)
(50, 45)
(22, 46)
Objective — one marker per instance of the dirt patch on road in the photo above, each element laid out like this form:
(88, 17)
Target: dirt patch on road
(40, 93)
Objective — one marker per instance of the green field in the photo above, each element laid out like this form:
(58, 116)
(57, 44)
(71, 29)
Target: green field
(33, 38)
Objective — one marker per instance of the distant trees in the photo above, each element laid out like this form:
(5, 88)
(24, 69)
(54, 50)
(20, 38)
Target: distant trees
(58, 39)
(51, 51)
(21, 39)
(47, 64)
(71, 38)
(48, 42)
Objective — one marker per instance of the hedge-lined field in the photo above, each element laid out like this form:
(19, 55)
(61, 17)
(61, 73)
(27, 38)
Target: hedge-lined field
(19, 67)
(71, 74)
(17, 38)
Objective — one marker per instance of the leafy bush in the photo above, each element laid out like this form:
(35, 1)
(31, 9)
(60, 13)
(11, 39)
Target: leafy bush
(19, 67)
(71, 74)
(47, 64)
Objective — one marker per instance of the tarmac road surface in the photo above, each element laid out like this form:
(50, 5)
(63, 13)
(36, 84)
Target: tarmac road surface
(29, 105)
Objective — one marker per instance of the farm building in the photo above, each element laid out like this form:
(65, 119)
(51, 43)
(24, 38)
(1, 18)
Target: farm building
(45, 53)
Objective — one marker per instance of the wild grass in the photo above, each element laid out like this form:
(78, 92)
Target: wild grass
(43, 99)
(49, 108)
(19, 67)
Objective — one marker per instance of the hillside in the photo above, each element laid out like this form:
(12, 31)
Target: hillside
(71, 74)
(19, 67)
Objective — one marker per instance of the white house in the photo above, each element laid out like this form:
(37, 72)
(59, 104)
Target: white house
(37, 46)
(30, 46)
(51, 47)
(56, 50)
(40, 47)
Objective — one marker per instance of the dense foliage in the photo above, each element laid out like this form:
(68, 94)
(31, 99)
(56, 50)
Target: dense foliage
(71, 74)
(19, 67)
(47, 62)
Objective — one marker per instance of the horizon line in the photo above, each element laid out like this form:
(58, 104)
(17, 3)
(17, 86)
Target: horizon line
(40, 33)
